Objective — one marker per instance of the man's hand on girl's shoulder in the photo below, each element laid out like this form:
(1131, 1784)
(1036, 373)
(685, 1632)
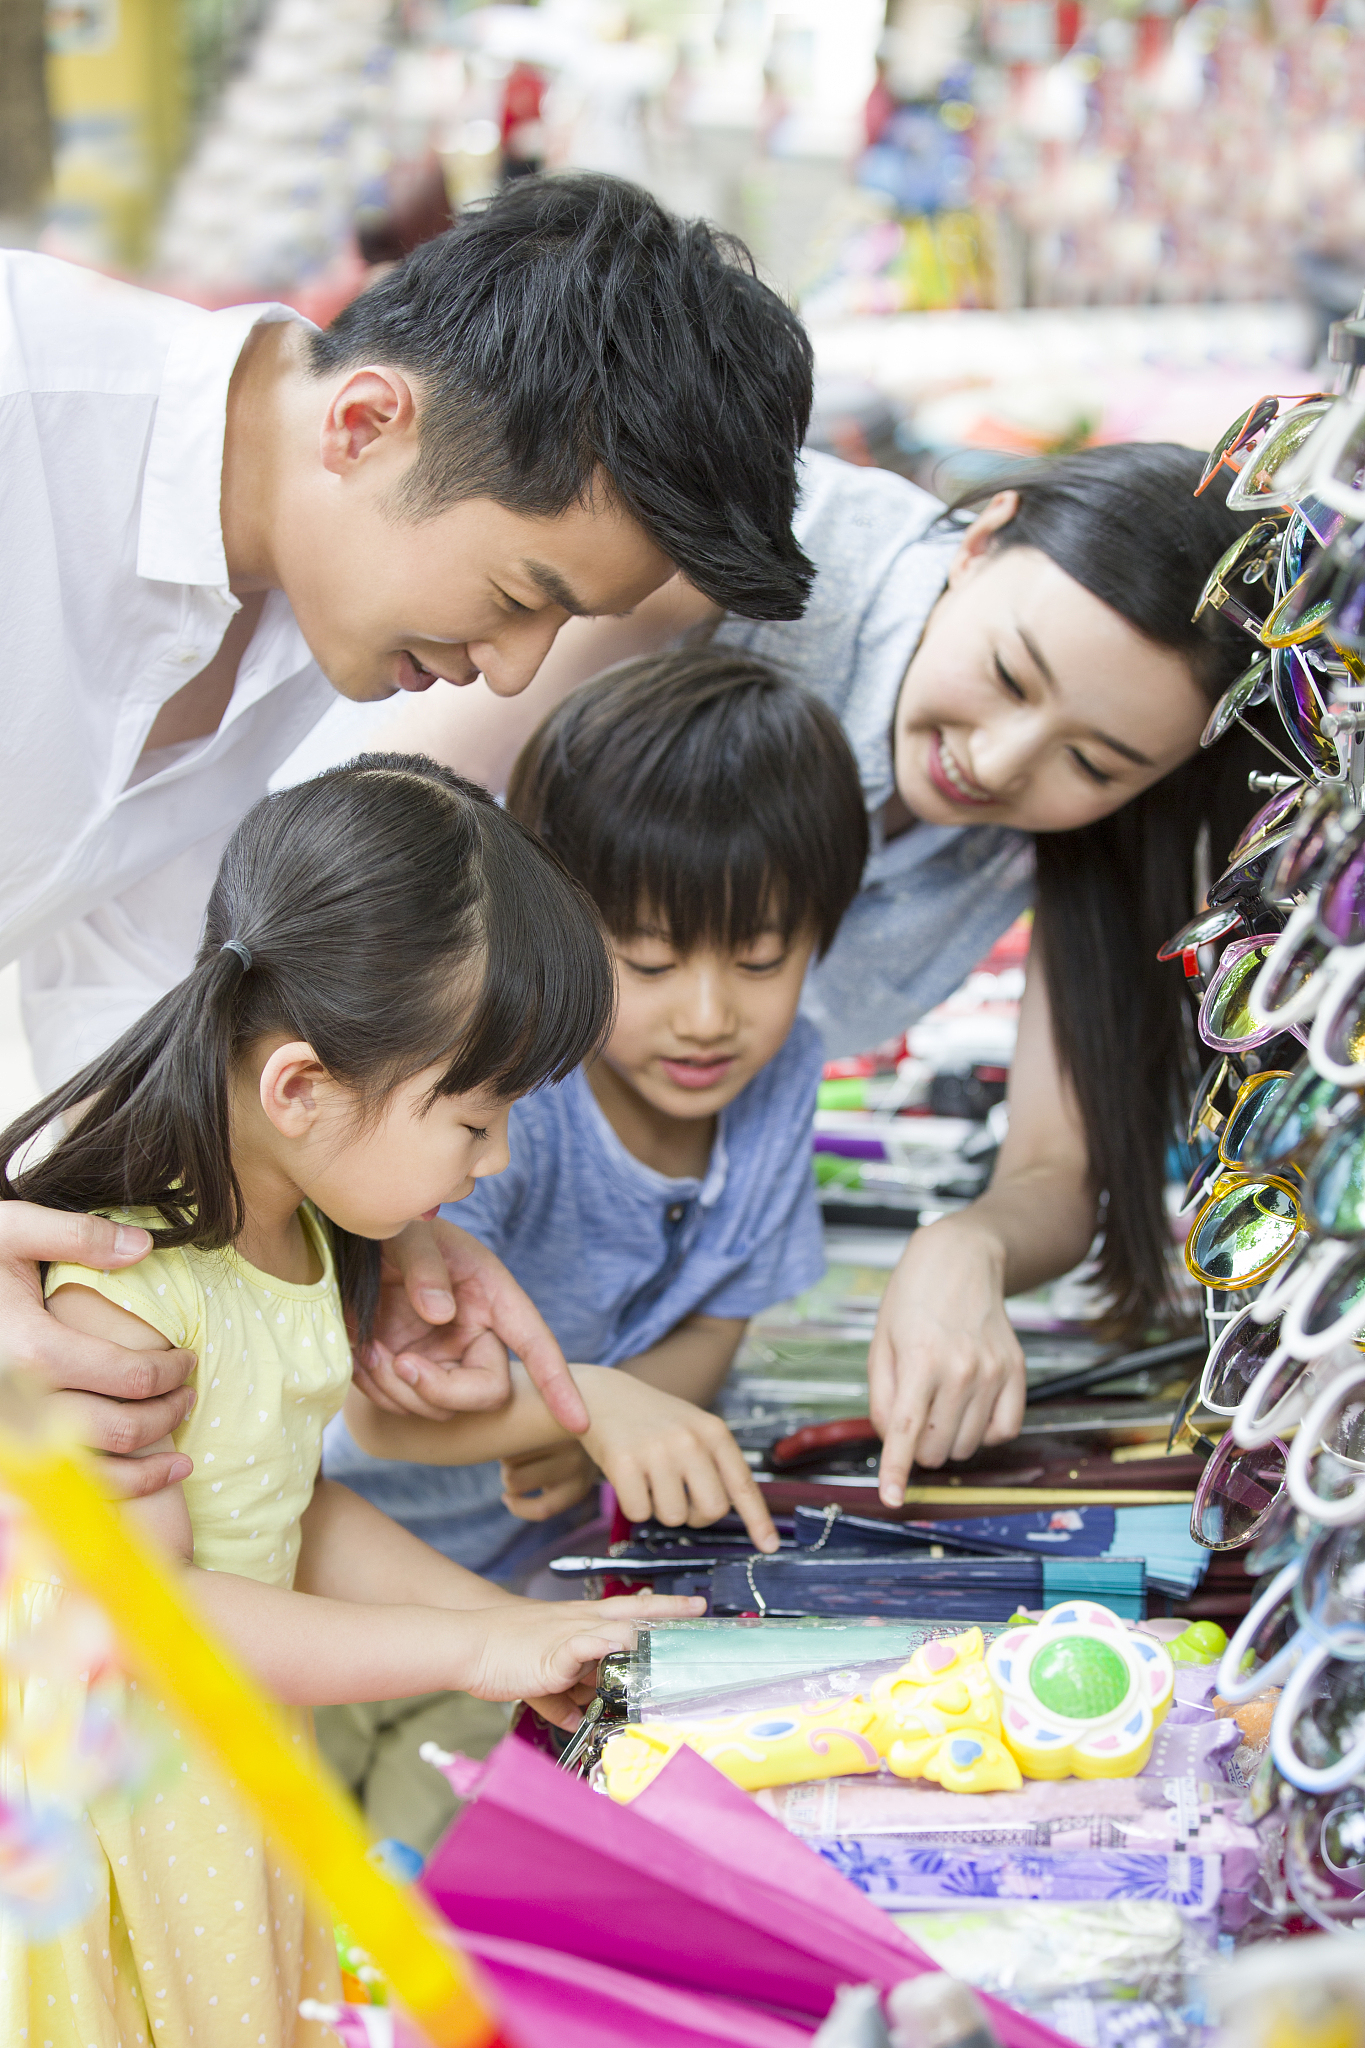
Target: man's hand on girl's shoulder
(113, 1401)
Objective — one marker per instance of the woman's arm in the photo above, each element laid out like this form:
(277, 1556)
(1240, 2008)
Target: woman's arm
(480, 734)
(945, 1370)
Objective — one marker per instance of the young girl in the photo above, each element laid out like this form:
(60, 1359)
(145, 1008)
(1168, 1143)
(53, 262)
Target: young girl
(388, 962)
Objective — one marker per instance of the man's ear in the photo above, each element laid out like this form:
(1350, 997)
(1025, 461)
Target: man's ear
(371, 405)
(978, 539)
(290, 1088)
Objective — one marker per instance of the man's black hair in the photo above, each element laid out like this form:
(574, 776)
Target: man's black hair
(702, 791)
(571, 330)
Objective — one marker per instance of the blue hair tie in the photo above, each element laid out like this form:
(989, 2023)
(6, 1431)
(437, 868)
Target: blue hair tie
(242, 951)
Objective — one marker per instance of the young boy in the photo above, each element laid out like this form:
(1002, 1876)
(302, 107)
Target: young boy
(663, 1194)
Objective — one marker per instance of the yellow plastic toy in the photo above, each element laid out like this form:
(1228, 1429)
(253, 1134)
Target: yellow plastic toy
(937, 1717)
(1081, 1696)
(775, 1746)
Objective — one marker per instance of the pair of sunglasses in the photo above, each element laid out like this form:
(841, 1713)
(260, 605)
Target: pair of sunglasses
(1324, 1854)
(1252, 559)
(1236, 1493)
(1323, 823)
(1248, 432)
(1329, 463)
(1244, 1230)
(1227, 1021)
(1316, 1600)
(1330, 1448)
(1317, 1736)
(1261, 1371)
(1332, 589)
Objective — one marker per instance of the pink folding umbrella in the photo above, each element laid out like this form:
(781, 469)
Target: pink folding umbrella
(696, 1888)
(546, 1999)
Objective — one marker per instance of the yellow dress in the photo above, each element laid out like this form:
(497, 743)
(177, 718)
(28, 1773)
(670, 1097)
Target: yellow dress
(202, 1935)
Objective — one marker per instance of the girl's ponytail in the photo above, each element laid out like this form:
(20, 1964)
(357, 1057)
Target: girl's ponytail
(389, 915)
(149, 1121)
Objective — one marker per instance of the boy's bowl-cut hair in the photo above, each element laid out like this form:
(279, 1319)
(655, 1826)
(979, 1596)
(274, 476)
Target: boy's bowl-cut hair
(702, 789)
(572, 328)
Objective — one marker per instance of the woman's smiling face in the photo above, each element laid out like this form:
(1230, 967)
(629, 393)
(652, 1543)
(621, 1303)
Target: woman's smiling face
(1029, 702)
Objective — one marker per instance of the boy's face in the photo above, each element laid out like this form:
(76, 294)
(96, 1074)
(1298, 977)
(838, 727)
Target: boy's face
(692, 1029)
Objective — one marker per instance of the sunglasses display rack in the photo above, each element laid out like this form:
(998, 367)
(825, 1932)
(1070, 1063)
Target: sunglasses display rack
(1277, 1236)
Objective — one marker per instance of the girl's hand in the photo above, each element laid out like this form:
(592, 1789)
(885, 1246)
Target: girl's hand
(546, 1652)
(667, 1459)
(538, 1484)
(945, 1370)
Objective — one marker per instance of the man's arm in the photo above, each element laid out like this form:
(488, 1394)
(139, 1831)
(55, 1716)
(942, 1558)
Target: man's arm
(115, 1400)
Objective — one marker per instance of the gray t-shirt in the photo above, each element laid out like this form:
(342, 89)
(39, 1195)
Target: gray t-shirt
(934, 900)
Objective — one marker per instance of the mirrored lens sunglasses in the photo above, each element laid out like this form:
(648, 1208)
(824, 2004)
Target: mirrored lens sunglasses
(1323, 822)
(1202, 930)
(1324, 1854)
(1318, 1598)
(1330, 465)
(1242, 571)
(1227, 1022)
(1243, 1231)
(1341, 885)
(1288, 986)
(1304, 1114)
(1326, 1470)
(1334, 1178)
(1236, 1491)
(1233, 448)
(1252, 687)
(1259, 485)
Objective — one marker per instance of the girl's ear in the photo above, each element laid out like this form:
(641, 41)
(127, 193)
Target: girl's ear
(976, 541)
(291, 1084)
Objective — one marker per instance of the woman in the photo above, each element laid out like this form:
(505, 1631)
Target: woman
(1025, 696)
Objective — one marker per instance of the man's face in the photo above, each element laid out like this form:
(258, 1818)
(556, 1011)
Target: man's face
(387, 603)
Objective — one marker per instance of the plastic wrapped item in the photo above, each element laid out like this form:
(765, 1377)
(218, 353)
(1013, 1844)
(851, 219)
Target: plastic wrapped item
(906, 1881)
(1113, 1975)
(1036, 1950)
(711, 1666)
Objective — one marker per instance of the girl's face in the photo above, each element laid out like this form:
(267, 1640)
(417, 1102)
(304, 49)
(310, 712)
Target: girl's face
(1031, 703)
(375, 1173)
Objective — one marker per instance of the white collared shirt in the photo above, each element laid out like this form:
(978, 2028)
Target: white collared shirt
(113, 595)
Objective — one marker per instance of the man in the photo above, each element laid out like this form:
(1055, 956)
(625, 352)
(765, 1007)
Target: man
(207, 519)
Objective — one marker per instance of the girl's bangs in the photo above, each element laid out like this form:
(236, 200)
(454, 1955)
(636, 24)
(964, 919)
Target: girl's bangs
(548, 992)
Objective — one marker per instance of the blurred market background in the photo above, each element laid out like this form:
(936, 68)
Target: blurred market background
(1013, 226)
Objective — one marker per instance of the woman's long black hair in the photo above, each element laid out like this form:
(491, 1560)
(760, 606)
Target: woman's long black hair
(1124, 522)
(394, 918)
